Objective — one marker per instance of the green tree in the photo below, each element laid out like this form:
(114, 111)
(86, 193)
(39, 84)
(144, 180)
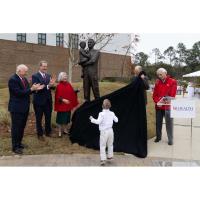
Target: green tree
(196, 51)
(170, 52)
(182, 54)
(141, 59)
(193, 56)
(158, 55)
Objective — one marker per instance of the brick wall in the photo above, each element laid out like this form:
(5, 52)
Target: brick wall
(111, 65)
(13, 53)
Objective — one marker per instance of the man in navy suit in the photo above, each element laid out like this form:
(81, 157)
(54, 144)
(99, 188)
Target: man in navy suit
(18, 106)
(42, 100)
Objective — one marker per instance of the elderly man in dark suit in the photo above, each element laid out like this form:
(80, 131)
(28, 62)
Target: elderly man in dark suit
(139, 73)
(42, 100)
(18, 106)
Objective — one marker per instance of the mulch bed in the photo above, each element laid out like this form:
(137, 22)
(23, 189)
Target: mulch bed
(30, 129)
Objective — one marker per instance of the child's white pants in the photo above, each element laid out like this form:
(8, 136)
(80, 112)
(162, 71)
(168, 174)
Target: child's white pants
(106, 140)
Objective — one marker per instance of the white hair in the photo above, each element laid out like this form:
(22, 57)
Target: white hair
(61, 76)
(161, 70)
(138, 67)
(21, 67)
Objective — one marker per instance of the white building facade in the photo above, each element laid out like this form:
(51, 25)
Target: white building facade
(117, 45)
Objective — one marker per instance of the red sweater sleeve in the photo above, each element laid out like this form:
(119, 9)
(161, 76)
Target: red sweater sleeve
(173, 88)
(156, 97)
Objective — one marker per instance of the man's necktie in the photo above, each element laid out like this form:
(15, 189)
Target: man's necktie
(44, 77)
(23, 82)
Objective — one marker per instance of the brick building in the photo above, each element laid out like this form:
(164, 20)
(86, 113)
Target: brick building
(13, 53)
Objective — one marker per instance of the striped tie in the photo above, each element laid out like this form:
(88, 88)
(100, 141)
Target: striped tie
(44, 77)
(23, 82)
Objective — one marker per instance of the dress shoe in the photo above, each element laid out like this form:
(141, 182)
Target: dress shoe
(18, 151)
(156, 140)
(23, 146)
(170, 143)
(41, 138)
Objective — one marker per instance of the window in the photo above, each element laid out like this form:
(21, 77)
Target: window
(21, 37)
(42, 38)
(73, 41)
(59, 39)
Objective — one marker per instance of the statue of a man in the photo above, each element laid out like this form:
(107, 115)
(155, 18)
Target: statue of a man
(90, 72)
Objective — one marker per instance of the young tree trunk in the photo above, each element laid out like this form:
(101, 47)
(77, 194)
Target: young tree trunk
(70, 69)
(71, 58)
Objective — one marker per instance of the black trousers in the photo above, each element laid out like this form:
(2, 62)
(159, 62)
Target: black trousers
(41, 110)
(169, 124)
(18, 123)
(90, 80)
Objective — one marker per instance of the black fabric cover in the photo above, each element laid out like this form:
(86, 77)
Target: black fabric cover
(130, 133)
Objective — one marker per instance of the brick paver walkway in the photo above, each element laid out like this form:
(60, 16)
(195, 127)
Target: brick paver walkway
(90, 160)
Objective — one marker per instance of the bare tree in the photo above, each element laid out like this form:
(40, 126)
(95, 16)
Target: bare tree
(130, 50)
(101, 40)
(71, 52)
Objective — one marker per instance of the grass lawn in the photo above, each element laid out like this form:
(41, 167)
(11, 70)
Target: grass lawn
(3, 97)
(57, 145)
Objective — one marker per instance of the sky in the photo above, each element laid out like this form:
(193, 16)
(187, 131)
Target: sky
(149, 41)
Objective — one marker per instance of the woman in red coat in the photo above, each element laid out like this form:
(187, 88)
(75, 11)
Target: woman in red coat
(65, 102)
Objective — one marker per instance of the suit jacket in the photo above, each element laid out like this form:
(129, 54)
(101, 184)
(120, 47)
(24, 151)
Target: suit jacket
(42, 96)
(19, 95)
(91, 66)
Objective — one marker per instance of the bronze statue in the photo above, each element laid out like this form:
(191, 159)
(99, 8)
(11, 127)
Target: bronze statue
(84, 55)
(88, 59)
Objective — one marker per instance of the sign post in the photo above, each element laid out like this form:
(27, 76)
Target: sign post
(184, 109)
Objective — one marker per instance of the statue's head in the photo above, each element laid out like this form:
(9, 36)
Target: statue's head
(82, 44)
(91, 43)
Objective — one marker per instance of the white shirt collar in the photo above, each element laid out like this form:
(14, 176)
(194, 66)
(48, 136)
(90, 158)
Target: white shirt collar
(106, 110)
(19, 77)
(43, 74)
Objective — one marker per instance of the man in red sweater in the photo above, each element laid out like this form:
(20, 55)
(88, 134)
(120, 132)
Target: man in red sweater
(164, 87)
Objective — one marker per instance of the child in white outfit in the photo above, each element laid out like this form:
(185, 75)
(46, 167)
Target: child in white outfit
(105, 122)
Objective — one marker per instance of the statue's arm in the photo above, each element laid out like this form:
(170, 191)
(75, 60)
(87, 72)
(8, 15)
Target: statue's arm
(82, 58)
(85, 54)
(93, 58)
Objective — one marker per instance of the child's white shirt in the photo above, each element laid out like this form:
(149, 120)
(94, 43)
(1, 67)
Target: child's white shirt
(105, 119)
